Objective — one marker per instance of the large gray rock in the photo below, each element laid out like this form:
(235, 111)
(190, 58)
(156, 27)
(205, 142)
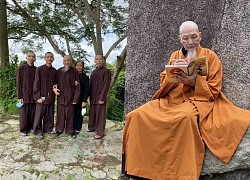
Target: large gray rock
(152, 36)
(240, 160)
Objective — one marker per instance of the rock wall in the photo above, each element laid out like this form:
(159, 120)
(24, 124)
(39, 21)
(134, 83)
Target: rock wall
(153, 35)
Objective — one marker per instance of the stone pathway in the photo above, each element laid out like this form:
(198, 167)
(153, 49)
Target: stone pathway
(59, 158)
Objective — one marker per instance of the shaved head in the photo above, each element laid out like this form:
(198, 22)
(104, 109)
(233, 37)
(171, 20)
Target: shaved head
(188, 26)
(190, 36)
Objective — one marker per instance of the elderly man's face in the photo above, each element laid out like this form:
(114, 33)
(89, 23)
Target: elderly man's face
(190, 39)
(67, 61)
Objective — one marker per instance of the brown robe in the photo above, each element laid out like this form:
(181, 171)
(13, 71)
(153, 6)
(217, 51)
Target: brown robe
(99, 87)
(163, 138)
(69, 94)
(45, 78)
(24, 82)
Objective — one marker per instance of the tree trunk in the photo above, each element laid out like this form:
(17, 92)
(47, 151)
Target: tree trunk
(153, 35)
(119, 66)
(4, 49)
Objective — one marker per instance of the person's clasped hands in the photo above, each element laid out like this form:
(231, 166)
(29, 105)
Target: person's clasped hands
(56, 90)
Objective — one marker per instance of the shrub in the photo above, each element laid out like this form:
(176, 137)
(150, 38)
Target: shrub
(8, 96)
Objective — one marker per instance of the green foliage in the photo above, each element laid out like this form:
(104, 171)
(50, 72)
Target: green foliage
(8, 86)
(89, 178)
(64, 21)
(44, 176)
(55, 171)
(210, 176)
(70, 177)
(116, 99)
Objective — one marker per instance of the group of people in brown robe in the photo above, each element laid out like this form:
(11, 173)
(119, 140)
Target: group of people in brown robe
(165, 138)
(37, 89)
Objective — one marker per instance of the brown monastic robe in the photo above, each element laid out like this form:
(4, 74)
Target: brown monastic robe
(69, 94)
(99, 87)
(162, 138)
(45, 78)
(24, 83)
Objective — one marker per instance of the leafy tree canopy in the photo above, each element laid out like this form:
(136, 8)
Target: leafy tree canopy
(66, 24)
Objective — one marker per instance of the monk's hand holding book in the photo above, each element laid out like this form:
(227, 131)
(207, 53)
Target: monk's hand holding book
(179, 62)
(180, 71)
(183, 78)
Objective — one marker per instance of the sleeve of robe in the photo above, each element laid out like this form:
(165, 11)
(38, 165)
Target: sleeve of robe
(207, 88)
(19, 83)
(86, 89)
(37, 85)
(165, 86)
(77, 88)
(106, 84)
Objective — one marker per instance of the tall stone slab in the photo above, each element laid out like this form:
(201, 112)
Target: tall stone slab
(153, 29)
(232, 44)
(153, 36)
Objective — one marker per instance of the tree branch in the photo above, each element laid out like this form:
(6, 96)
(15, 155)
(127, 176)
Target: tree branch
(92, 34)
(89, 10)
(38, 27)
(68, 46)
(99, 29)
(54, 45)
(25, 14)
(114, 45)
(120, 64)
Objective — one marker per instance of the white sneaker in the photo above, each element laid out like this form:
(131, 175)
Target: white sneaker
(23, 134)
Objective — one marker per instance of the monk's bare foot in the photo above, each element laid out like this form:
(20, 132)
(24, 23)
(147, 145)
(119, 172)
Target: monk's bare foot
(98, 136)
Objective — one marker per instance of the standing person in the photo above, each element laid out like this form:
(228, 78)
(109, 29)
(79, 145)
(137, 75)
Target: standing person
(84, 93)
(24, 83)
(165, 138)
(68, 92)
(99, 87)
(45, 79)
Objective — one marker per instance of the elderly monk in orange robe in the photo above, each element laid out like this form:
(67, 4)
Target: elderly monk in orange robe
(165, 138)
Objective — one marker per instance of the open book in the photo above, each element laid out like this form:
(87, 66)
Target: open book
(199, 64)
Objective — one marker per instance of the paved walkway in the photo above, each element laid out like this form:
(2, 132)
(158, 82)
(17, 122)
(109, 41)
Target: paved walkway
(59, 158)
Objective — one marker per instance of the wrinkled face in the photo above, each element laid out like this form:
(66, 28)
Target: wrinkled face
(79, 67)
(67, 61)
(49, 58)
(190, 39)
(99, 60)
(31, 58)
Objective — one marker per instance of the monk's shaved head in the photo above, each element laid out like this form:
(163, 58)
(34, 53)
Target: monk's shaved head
(188, 26)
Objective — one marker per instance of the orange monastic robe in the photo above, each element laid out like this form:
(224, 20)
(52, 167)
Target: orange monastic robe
(164, 138)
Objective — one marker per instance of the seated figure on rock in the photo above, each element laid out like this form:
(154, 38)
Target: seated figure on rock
(166, 137)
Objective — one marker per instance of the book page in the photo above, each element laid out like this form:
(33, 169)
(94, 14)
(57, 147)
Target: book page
(199, 64)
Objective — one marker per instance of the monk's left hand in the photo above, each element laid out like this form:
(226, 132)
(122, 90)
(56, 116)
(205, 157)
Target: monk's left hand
(183, 78)
(100, 102)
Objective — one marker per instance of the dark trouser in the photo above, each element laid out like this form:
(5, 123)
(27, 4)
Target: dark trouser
(27, 113)
(44, 118)
(65, 118)
(78, 118)
(97, 118)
